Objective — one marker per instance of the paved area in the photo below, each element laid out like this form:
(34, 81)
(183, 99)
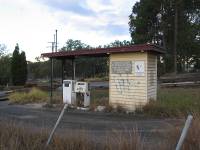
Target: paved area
(97, 124)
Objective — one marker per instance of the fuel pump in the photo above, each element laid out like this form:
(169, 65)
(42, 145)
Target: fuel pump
(69, 95)
(83, 94)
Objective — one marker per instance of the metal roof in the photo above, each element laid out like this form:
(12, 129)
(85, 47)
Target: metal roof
(105, 51)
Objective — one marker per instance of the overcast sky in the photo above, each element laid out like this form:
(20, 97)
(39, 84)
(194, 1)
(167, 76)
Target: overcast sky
(32, 23)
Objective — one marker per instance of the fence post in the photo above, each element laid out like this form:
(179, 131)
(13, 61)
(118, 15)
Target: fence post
(184, 132)
(57, 123)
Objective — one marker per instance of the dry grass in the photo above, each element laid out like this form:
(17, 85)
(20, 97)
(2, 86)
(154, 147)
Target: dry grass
(192, 141)
(17, 137)
(33, 96)
(175, 102)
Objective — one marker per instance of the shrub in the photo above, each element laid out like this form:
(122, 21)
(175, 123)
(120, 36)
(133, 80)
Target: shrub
(33, 96)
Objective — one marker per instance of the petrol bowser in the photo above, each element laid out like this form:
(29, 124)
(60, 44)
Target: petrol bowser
(69, 95)
(83, 94)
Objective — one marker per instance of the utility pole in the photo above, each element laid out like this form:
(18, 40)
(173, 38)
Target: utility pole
(51, 79)
(54, 44)
(52, 71)
(56, 40)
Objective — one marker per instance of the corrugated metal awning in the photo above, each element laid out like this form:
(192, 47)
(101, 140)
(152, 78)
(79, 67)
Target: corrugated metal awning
(99, 52)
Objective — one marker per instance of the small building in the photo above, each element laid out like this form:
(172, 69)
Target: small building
(132, 73)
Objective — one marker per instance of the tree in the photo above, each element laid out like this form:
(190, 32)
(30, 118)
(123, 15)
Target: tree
(2, 49)
(24, 71)
(72, 45)
(118, 43)
(18, 67)
(173, 24)
(5, 61)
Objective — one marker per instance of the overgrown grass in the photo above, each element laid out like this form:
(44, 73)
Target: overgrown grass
(99, 97)
(174, 102)
(16, 137)
(33, 96)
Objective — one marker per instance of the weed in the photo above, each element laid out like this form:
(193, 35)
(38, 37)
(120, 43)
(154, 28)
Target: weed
(33, 96)
(174, 103)
(17, 137)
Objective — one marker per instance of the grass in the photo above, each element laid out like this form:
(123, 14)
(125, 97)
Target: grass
(33, 96)
(15, 136)
(171, 102)
(174, 102)
(99, 97)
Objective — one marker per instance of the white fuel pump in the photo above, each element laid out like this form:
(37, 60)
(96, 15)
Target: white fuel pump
(81, 88)
(69, 95)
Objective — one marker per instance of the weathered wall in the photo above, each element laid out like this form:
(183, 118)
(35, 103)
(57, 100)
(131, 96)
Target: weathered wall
(152, 77)
(128, 89)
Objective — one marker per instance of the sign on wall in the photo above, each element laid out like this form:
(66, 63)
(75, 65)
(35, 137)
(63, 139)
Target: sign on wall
(139, 68)
(121, 67)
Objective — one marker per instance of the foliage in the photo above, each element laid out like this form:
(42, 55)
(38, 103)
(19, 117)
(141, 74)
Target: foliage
(2, 49)
(92, 67)
(85, 68)
(5, 65)
(72, 45)
(174, 103)
(5, 61)
(24, 71)
(117, 43)
(152, 21)
(33, 96)
(18, 67)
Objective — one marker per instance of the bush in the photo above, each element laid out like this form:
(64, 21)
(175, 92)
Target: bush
(33, 96)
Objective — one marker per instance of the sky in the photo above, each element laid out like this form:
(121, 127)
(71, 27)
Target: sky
(32, 23)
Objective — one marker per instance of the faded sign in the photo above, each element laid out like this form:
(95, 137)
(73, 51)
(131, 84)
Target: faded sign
(139, 68)
(121, 67)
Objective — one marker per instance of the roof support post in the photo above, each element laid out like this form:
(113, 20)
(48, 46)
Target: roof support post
(74, 69)
(63, 68)
(51, 82)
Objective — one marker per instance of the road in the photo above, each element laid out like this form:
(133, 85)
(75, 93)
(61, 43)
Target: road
(95, 124)
(100, 84)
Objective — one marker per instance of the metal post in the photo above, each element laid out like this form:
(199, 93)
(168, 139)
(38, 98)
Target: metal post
(51, 82)
(184, 132)
(74, 69)
(63, 67)
(56, 125)
(56, 40)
